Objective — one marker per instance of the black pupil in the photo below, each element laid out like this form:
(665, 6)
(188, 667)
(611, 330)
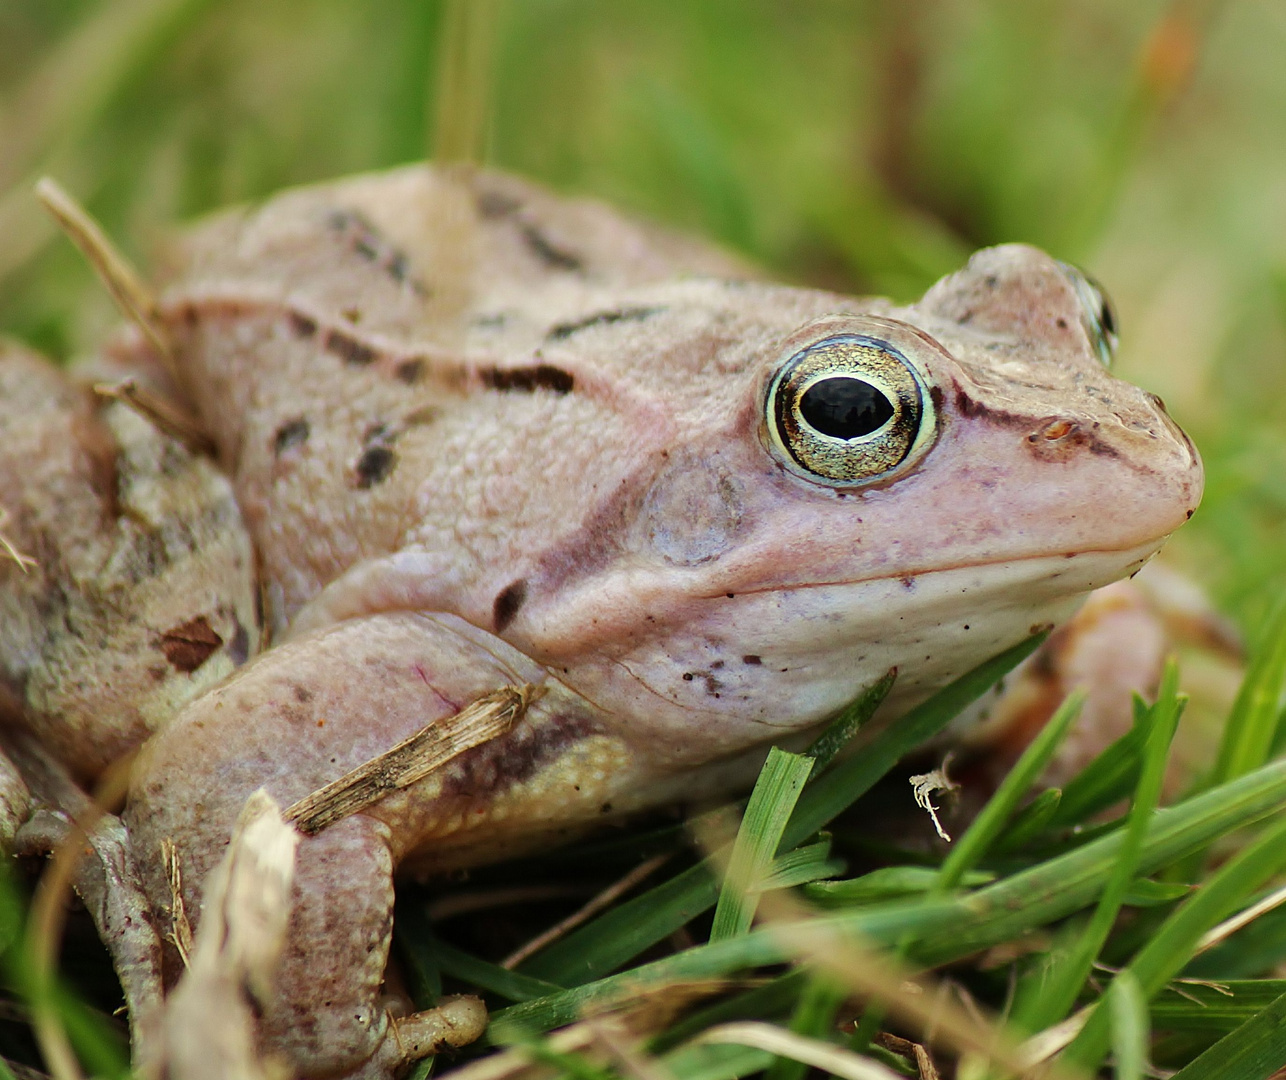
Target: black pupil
(845, 408)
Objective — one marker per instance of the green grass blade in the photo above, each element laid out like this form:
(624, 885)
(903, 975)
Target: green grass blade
(781, 780)
(850, 720)
(1130, 1029)
(1032, 820)
(488, 976)
(971, 847)
(1104, 781)
(837, 789)
(621, 934)
(814, 1016)
(1168, 950)
(1222, 1007)
(1252, 723)
(946, 930)
(1254, 1051)
(884, 884)
(1065, 973)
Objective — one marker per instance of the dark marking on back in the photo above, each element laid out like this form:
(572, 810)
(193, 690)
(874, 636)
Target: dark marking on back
(292, 433)
(410, 371)
(554, 257)
(496, 204)
(509, 600)
(352, 351)
(752, 660)
(190, 644)
(378, 459)
(302, 325)
(563, 331)
(375, 465)
(365, 240)
(529, 379)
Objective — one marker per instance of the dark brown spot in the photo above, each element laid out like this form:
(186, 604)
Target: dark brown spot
(352, 314)
(190, 644)
(302, 694)
(552, 256)
(292, 433)
(426, 414)
(510, 599)
(752, 659)
(495, 204)
(354, 352)
(563, 331)
(410, 371)
(302, 325)
(1061, 323)
(529, 379)
(375, 465)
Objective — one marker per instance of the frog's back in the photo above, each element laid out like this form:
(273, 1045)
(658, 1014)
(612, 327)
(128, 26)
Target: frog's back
(353, 346)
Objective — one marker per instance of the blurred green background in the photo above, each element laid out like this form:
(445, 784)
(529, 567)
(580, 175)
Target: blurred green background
(866, 145)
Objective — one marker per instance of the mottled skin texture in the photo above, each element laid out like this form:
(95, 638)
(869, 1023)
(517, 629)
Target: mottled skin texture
(479, 435)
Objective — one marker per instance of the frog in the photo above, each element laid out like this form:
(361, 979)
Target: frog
(459, 433)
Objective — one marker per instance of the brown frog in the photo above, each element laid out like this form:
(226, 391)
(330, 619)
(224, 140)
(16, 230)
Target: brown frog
(470, 435)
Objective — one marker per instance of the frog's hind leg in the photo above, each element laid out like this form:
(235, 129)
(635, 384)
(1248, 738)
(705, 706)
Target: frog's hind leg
(127, 581)
(298, 718)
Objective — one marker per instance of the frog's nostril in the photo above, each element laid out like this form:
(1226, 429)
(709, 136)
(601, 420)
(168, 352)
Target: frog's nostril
(1156, 400)
(1056, 429)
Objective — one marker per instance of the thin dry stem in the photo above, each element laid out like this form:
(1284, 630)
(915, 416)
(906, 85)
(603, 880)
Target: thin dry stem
(10, 550)
(181, 933)
(160, 412)
(412, 759)
(596, 904)
(1230, 926)
(48, 919)
(120, 279)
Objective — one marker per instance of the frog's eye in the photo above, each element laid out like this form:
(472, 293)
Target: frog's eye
(848, 410)
(1097, 313)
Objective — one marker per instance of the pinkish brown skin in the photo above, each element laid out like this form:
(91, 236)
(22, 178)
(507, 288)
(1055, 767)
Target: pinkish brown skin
(480, 435)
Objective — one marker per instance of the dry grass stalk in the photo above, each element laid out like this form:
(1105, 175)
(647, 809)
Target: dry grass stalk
(120, 279)
(208, 1029)
(600, 902)
(777, 1040)
(161, 413)
(412, 759)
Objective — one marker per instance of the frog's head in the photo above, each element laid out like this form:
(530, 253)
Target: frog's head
(827, 496)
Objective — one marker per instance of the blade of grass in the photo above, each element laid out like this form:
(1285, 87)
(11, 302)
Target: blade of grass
(841, 730)
(973, 845)
(621, 934)
(841, 786)
(1106, 779)
(1064, 974)
(781, 780)
(814, 1017)
(1130, 1031)
(1248, 735)
(946, 930)
(1030, 822)
(1170, 948)
(1223, 1006)
(1254, 1051)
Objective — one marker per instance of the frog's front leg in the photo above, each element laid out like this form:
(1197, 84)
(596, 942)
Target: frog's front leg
(306, 713)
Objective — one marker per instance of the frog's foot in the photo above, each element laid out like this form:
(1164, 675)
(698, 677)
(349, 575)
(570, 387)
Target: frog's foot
(127, 580)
